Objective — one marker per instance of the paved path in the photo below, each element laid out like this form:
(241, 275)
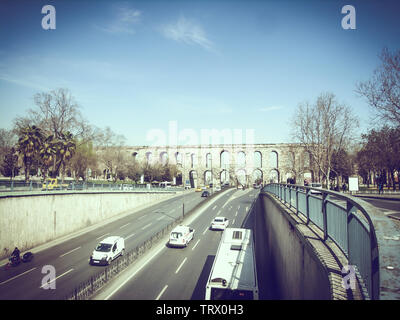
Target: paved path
(387, 226)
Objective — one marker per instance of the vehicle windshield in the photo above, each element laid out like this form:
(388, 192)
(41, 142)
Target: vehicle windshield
(218, 220)
(103, 247)
(176, 235)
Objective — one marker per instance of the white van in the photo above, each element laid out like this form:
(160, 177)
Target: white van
(180, 236)
(107, 250)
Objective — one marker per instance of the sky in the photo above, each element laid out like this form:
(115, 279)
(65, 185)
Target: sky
(144, 68)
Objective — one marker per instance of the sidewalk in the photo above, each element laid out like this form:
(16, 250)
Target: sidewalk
(387, 228)
(386, 196)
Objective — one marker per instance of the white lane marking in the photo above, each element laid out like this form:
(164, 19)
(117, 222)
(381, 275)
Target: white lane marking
(141, 217)
(247, 209)
(135, 272)
(160, 218)
(219, 212)
(233, 222)
(214, 207)
(69, 252)
(125, 225)
(130, 236)
(196, 244)
(236, 213)
(17, 276)
(47, 283)
(205, 230)
(146, 226)
(180, 266)
(161, 293)
(103, 236)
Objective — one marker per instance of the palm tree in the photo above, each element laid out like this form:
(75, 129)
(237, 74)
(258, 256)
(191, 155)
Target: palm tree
(47, 153)
(29, 142)
(66, 147)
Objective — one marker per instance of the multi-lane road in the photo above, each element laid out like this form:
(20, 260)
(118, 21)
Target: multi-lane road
(182, 273)
(69, 259)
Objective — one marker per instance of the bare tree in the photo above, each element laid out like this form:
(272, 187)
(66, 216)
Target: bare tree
(323, 129)
(56, 113)
(382, 91)
(111, 154)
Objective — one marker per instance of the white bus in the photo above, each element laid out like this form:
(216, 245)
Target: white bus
(233, 275)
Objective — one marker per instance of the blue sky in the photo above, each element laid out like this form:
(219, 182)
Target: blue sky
(138, 65)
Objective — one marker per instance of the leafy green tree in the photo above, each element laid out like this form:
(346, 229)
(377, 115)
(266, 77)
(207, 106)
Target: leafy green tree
(381, 150)
(83, 159)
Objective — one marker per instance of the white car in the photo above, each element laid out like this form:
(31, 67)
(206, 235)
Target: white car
(107, 250)
(315, 185)
(180, 236)
(219, 223)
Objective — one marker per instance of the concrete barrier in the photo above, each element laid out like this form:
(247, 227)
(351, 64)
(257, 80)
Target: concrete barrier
(292, 260)
(31, 220)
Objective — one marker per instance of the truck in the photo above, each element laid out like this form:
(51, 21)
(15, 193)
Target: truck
(53, 184)
(180, 236)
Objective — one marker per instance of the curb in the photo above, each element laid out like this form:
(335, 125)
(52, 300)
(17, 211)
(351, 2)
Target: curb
(377, 197)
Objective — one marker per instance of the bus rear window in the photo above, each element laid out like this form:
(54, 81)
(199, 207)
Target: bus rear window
(227, 294)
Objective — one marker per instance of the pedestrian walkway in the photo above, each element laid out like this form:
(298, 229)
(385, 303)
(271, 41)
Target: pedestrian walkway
(387, 229)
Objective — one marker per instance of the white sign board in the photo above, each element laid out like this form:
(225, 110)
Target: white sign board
(353, 183)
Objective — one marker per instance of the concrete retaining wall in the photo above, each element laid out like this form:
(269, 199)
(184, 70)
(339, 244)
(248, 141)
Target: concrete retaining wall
(287, 262)
(29, 221)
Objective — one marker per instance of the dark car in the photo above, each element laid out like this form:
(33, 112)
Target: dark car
(205, 193)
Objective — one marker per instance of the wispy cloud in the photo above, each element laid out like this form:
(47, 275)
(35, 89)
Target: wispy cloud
(125, 20)
(188, 32)
(271, 108)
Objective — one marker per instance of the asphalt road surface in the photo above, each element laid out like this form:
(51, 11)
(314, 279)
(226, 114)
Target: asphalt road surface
(388, 234)
(69, 259)
(182, 273)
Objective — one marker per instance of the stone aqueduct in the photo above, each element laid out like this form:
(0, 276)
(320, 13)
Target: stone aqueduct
(234, 163)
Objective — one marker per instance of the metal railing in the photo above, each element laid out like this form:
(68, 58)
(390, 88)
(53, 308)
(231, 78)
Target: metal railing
(22, 186)
(343, 220)
(85, 290)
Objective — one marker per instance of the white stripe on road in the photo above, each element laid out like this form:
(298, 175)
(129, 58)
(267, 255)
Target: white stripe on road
(160, 218)
(161, 293)
(125, 225)
(214, 207)
(205, 230)
(103, 236)
(130, 236)
(180, 266)
(8, 280)
(146, 226)
(236, 213)
(69, 252)
(47, 283)
(219, 212)
(196, 244)
(141, 217)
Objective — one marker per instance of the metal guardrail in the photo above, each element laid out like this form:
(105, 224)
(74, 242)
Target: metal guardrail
(88, 288)
(349, 226)
(16, 185)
